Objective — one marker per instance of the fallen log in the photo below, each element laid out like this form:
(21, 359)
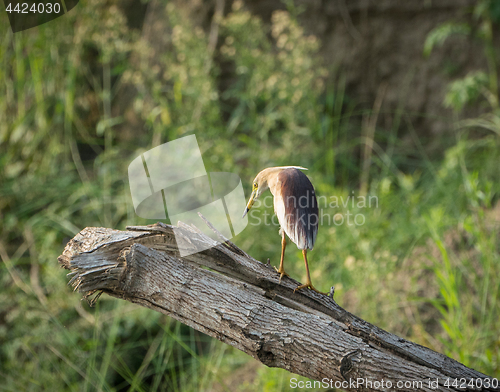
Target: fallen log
(240, 301)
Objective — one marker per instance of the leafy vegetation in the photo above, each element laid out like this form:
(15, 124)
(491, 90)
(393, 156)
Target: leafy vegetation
(423, 263)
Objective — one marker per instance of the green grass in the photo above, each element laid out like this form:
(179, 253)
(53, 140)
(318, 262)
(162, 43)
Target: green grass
(422, 265)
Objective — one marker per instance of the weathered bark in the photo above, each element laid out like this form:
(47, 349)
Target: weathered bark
(240, 302)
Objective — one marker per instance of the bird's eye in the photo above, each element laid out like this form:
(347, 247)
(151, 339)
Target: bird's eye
(255, 186)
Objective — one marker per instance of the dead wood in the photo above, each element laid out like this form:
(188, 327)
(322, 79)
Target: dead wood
(239, 301)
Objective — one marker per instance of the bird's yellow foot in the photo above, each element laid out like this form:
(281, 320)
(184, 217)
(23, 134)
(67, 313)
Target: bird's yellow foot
(308, 285)
(282, 272)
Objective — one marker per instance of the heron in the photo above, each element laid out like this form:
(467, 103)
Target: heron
(296, 207)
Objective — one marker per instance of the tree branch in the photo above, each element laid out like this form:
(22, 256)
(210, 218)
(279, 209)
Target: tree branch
(240, 302)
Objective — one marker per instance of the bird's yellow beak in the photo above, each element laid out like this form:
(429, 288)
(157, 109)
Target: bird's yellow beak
(250, 202)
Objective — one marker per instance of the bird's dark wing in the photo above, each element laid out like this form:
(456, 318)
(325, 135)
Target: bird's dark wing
(298, 211)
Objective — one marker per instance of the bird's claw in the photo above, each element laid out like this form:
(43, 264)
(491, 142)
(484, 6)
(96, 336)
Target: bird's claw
(282, 273)
(308, 285)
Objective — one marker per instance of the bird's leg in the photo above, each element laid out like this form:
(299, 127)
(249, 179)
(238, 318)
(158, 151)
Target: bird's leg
(308, 281)
(281, 270)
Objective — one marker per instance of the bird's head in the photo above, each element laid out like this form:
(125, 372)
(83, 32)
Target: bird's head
(267, 178)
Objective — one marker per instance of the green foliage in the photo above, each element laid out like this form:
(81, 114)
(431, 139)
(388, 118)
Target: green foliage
(488, 121)
(270, 93)
(177, 92)
(438, 35)
(464, 91)
(489, 9)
